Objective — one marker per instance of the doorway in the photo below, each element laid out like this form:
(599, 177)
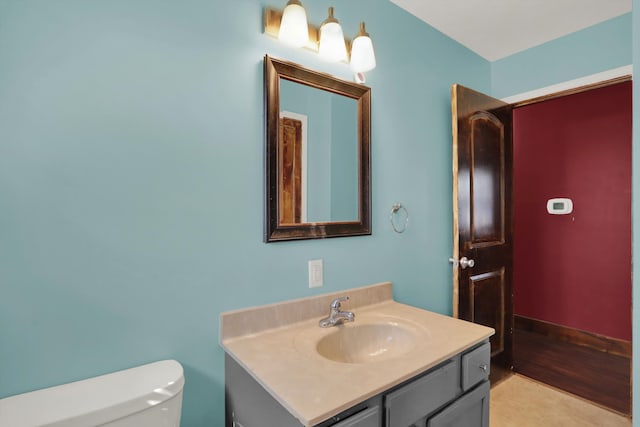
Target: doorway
(572, 267)
(550, 261)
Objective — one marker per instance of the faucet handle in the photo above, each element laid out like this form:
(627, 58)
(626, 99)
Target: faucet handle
(335, 304)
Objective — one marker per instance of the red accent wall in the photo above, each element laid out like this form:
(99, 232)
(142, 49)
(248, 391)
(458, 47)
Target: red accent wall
(575, 270)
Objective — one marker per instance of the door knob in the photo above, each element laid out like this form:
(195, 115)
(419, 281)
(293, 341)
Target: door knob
(464, 262)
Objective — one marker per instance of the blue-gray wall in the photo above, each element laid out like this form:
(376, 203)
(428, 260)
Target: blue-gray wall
(598, 48)
(131, 181)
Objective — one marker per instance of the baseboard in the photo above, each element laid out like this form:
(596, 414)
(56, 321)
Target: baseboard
(575, 336)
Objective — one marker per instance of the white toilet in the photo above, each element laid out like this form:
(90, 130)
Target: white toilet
(145, 396)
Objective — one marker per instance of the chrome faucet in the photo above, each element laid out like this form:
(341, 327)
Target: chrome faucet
(336, 316)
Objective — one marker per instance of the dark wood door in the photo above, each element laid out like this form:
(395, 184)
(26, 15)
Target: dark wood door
(483, 218)
(290, 173)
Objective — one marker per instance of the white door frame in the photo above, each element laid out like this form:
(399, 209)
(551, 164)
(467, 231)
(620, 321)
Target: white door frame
(614, 73)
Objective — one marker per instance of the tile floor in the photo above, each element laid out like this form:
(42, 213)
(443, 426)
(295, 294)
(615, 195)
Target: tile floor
(521, 402)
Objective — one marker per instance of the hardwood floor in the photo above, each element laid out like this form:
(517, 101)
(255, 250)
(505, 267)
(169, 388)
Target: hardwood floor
(600, 377)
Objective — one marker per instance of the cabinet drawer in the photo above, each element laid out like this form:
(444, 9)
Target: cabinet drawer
(476, 365)
(367, 418)
(419, 398)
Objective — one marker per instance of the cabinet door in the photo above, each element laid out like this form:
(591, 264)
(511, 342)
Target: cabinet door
(368, 418)
(421, 397)
(471, 410)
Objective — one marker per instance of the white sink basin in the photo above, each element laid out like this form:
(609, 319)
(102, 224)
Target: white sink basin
(368, 342)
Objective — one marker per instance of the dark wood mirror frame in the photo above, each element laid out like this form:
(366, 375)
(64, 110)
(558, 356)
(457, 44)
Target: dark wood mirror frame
(274, 70)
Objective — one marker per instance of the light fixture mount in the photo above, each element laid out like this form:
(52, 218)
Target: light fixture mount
(330, 19)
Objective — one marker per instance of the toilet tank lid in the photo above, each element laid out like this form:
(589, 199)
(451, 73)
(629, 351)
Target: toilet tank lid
(95, 400)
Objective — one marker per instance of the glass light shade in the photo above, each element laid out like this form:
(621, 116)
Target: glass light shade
(362, 56)
(332, 46)
(294, 29)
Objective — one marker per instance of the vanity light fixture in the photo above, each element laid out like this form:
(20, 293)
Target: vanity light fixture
(332, 46)
(294, 29)
(362, 56)
(328, 40)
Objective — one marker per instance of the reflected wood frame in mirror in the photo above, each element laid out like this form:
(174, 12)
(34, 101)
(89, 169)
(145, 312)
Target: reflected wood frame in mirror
(274, 70)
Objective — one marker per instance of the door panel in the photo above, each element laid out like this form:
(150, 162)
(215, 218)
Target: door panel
(487, 179)
(487, 290)
(482, 216)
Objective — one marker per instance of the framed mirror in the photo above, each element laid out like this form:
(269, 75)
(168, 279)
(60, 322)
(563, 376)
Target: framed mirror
(318, 150)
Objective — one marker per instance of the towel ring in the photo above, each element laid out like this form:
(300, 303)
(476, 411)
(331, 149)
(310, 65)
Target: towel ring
(395, 208)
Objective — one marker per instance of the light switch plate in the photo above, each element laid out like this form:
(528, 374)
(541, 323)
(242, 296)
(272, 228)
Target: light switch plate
(315, 273)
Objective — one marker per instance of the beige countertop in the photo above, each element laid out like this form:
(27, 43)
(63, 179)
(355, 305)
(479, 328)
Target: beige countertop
(278, 350)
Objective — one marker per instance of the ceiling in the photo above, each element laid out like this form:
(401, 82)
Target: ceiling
(495, 29)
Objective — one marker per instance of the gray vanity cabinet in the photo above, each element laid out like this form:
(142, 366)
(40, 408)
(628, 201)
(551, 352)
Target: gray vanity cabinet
(453, 394)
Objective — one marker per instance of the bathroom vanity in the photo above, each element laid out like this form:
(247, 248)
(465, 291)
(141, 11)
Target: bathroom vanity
(394, 366)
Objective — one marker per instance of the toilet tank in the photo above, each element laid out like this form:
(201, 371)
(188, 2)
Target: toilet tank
(144, 396)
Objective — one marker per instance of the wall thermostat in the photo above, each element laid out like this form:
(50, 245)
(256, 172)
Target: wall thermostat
(559, 206)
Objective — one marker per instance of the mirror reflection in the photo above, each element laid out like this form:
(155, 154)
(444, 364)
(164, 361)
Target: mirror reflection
(318, 154)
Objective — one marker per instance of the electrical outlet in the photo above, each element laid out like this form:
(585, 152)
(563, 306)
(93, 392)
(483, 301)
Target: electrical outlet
(315, 273)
